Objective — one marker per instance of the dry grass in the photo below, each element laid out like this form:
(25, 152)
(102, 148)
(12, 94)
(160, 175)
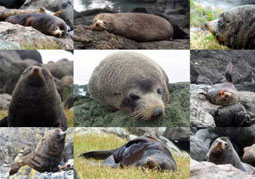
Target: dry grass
(69, 116)
(3, 113)
(91, 142)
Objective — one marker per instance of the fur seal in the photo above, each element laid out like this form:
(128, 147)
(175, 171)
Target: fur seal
(140, 27)
(130, 82)
(235, 27)
(145, 152)
(35, 101)
(223, 152)
(47, 155)
(47, 24)
(224, 94)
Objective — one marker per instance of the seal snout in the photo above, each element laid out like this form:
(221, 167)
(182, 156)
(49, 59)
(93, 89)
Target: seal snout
(157, 112)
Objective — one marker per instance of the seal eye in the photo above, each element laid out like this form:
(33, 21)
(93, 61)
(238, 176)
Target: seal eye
(159, 91)
(104, 23)
(220, 23)
(133, 97)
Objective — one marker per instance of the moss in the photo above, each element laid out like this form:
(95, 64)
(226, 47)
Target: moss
(88, 112)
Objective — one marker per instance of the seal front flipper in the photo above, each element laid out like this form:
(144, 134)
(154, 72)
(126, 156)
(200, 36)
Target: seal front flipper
(98, 154)
(229, 72)
(4, 122)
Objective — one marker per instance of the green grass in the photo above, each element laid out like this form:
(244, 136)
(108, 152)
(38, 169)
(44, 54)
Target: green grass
(203, 39)
(3, 113)
(89, 142)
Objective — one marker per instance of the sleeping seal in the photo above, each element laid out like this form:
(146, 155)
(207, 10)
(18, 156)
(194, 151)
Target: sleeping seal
(145, 152)
(130, 82)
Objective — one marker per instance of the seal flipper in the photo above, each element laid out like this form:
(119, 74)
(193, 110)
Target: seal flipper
(229, 72)
(98, 154)
(4, 122)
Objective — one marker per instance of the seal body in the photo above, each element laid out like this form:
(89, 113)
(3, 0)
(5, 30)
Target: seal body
(47, 24)
(47, 155)
(223, 152)
(224, 93)
(35, 101)
(130, 82)
(235, 27)
(140, 27)
(142, 152)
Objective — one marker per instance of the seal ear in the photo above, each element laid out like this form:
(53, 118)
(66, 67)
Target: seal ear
(42, 10)
(57, 13)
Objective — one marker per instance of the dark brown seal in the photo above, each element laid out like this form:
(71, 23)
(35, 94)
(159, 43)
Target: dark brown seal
(223, 152)
(140, 27)
(46, 156)
(35, 101)
(130, 82)
(47, 24)
(145, 152)
(224, 93)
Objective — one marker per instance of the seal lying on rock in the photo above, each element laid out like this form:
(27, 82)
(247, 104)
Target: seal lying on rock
(235, 27)
(223, 152)
(130, 82)
(140, 27)
(35, 101)
(224, 93)
(46, 156)
(145, 152)
(47, 24)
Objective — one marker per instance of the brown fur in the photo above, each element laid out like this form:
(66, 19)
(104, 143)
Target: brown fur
(46, 156)
(130, 82)
(140, 27)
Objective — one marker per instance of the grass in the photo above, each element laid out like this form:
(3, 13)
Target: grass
(3, 113)
(202, 38)
(89, 142)
(69, 116)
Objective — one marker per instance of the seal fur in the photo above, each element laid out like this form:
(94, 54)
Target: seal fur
(130, 82)
(35, 101)
(47, 24)
(141, 27)
(145, 152)
(46, 156)
(223, 152)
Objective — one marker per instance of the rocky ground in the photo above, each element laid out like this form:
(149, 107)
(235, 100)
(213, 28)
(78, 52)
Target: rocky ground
(90, 113)
(208, 68)
(243, 140)
(177, 12)
(21, 141)
(20, 37)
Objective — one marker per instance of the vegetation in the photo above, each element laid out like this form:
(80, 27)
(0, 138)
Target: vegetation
(3, 113)
(85, 168)
(201, 38)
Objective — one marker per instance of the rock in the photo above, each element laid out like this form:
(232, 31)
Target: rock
(205, 114)
(29, 38)
(90, 113)
(85, 38)
(6, 45)
(249, 155)
(61, 68)
(200, 170)
(30, 54)
(177, 133)
(209, 67)
(5, 100)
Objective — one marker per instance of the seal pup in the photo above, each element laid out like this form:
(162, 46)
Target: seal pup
(47, 24)
(130, 82)
(223, 152)
(235, 27)
(224, 94)
(47, 155)
(35, 101)
(145, 152)
(141, 27)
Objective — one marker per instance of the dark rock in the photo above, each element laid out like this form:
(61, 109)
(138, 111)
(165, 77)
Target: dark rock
(12, 4)
(30, 54)
(61, 68)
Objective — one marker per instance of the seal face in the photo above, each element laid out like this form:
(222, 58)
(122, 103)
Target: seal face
(140, 27)
(223, 152)
(35, 101)
(130, 82)
(224, 94)
(235, 27)
(47, 154)
(145, 152)
(47, 24)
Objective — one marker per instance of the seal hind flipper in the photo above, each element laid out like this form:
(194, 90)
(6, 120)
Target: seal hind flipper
(229, 72)
(98, 154)
(4, 122)
(15, 167)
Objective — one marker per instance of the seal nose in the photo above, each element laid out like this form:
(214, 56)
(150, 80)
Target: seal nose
(97, 25)
(157, 113)
(206, 25)
(36, 70)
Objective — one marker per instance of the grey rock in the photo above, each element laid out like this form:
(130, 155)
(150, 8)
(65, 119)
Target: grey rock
(5, 100)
